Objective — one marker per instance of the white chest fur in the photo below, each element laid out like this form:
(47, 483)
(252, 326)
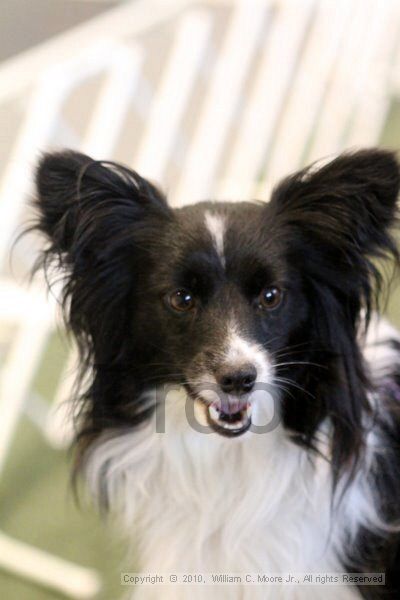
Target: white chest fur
(194, 503)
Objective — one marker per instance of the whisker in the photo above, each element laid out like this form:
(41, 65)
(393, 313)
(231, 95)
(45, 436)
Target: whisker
(282, 387)
(294, 384)
(301, 362)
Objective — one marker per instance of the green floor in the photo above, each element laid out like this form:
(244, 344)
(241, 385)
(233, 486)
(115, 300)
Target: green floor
(37, 507)
(36, 504)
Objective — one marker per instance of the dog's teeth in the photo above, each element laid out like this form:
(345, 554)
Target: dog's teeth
(236, 425)
(214, 413)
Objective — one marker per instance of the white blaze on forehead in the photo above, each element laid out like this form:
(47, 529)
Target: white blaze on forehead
(216, 226)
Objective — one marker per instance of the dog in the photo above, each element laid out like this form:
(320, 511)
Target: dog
(241, 407)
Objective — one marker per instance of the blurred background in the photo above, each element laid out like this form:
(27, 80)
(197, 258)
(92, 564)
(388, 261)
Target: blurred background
(214, 99)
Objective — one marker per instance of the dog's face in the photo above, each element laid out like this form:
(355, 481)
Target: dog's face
(215, 305)
(222, 298)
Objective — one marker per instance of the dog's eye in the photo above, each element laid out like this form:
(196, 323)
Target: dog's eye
(181, 300)
(270, 297)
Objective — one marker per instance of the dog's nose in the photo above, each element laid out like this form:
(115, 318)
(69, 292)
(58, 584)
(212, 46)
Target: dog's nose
(237, 381)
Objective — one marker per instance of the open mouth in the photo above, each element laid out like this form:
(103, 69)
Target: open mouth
(229, 424)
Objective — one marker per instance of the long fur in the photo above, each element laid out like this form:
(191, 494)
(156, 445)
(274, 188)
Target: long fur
(320, 490)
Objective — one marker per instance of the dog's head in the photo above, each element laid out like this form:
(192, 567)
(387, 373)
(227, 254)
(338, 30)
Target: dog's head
(222, 298)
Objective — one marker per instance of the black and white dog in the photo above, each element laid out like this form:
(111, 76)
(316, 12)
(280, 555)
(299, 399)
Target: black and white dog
(242, 413)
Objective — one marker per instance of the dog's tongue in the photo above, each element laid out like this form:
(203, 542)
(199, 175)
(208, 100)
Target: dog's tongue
(231, 405)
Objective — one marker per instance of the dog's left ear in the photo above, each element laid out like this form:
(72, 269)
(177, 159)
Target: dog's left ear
(349, 203)
(333, 221)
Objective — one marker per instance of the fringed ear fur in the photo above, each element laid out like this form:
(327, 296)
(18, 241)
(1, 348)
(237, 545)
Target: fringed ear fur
(97, 217)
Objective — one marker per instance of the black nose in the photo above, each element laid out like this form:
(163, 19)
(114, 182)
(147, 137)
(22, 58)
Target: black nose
(237, 381)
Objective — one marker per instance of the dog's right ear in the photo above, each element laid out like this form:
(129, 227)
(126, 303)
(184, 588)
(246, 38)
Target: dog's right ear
(83, 202)
(101, 220)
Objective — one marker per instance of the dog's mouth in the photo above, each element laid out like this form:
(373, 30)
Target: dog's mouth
(230, 425)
